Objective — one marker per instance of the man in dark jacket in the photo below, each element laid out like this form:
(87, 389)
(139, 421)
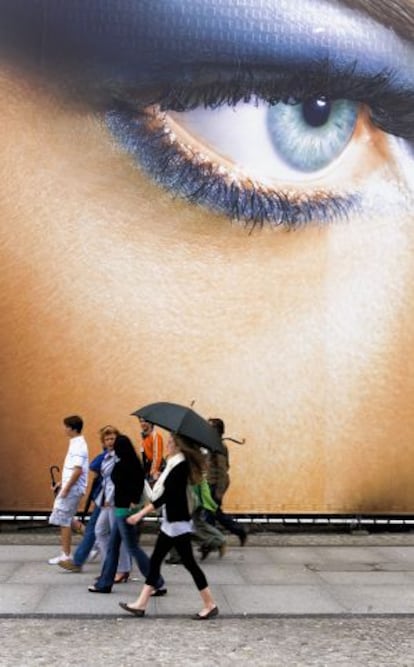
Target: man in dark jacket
(219, 480)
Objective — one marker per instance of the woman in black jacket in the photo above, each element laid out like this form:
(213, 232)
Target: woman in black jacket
(128, 479)
(185, 466)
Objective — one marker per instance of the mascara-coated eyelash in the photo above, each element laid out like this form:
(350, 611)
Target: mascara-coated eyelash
(391, 109)
(188, 174)
(201, 182)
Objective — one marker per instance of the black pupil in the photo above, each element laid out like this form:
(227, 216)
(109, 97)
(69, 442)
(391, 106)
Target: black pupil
(316, 112)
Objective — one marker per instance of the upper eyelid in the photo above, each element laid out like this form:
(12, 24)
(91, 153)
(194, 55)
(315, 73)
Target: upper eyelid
(392, 110)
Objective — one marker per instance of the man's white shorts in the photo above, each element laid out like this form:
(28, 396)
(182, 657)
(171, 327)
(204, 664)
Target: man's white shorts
(64, 509)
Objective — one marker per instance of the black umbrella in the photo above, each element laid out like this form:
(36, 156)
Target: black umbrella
(56, 488)
(182, 420)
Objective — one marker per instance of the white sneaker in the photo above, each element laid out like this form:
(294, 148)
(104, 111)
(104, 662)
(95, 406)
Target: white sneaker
(93, 555)
(57, 559)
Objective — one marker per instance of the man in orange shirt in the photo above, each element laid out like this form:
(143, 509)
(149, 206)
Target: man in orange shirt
(151, 451)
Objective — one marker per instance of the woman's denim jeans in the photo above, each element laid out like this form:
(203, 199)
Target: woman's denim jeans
(103, 531)
(122, 530)
(84, 547)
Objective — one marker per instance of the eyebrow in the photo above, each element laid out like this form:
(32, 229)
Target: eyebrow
(96, 43)
(398, 15)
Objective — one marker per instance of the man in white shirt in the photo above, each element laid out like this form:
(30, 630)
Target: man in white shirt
(72, 487)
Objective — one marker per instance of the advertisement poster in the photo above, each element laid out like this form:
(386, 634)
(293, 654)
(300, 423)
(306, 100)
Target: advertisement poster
(211, 202)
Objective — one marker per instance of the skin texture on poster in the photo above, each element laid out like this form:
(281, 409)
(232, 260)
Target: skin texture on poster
(212, 201)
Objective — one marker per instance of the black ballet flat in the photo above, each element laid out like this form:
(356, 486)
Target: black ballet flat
(95, 589)
(139, 613)
(211, 614)
(159, 592)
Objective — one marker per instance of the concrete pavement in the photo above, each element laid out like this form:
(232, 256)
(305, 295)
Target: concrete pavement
(272, 576)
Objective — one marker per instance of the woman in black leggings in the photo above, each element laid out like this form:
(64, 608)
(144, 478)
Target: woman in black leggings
(185, 465)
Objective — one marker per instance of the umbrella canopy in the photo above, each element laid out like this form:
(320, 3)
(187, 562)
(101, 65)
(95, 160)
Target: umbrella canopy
(182, 420)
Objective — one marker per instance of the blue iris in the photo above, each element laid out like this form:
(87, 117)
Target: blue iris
(310, 135)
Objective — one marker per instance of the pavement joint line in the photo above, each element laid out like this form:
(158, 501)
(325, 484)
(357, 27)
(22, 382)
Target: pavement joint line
(222, 616)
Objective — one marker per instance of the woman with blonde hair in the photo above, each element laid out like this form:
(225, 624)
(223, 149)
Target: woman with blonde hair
(106, 500)
(185, 466)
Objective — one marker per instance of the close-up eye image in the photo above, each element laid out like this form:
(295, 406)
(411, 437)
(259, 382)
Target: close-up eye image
(211, 203)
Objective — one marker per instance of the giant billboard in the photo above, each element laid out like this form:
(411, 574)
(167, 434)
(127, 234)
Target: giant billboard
(211, 201)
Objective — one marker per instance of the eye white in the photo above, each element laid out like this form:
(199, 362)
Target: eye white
(240, 136)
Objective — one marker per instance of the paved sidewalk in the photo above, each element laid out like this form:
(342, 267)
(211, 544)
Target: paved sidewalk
(277, 576)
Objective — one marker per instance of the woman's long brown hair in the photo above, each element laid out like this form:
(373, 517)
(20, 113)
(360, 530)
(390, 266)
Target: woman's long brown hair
(195, 458)
(396, 14)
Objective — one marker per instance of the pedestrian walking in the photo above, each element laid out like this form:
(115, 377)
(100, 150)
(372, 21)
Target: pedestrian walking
(185, 465)
(128, 479)
(72, 487)
(152, 451)
(219, 481)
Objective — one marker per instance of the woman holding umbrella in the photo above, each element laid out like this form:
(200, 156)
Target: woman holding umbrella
(185, 465)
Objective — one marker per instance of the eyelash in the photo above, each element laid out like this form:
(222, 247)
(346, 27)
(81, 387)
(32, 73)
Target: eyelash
(202, 183)
(391, 110)
(185, 173)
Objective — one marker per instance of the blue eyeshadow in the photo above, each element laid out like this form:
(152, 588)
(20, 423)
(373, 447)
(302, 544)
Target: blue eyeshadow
(139, 42)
